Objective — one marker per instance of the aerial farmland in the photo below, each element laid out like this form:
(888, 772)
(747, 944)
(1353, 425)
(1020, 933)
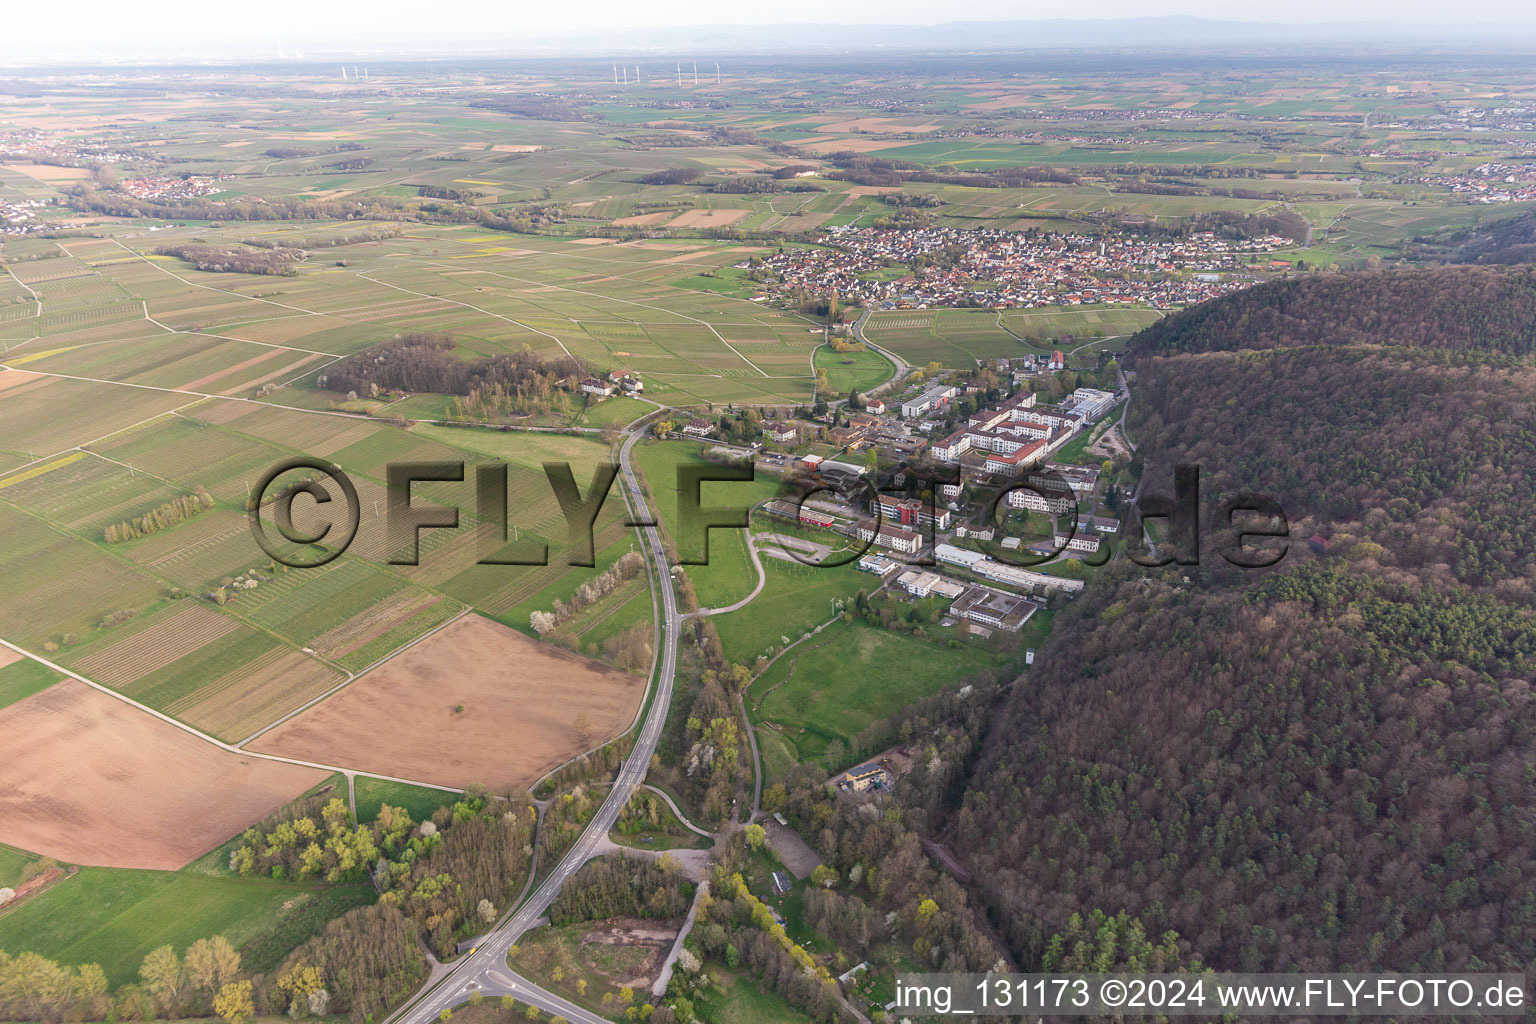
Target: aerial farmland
(561, 313)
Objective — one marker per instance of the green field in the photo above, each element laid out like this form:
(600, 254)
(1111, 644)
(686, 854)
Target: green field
(852, 675)
(114, 916)
(737, 999)
(856, 371)
(421, 802)
(962, 338)
(20, 680)
(11, 864)
(729, 575)
(797, 597)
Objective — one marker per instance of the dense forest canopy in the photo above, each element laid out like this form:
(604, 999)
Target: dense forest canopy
(1459, 309)
(1328, 764)
(426, 362)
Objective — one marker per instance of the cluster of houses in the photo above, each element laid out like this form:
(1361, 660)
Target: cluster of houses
(175, 189)
(1006, 269)
(34, 145)
(1491, 183)
(23, 216)
(1018, 434)
(618, 381)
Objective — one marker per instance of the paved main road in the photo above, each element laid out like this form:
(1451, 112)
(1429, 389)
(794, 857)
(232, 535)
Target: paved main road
(485, 970)
(902, 366)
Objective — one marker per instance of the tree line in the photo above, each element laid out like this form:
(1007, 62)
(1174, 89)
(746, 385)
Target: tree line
(622, 886)
(234, 259)
(448, 874)
(161, 517)
(424, 361)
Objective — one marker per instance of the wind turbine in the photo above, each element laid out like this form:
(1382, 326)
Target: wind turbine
(717, 72)
(695, 72)
(679, 74)
(615, 74)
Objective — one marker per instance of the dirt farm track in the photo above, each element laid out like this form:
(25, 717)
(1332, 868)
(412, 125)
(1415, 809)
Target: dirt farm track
(89, 780)
(520, 701)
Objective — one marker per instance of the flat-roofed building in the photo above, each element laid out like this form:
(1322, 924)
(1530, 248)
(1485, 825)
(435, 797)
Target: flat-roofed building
(994, 608)
(935, 397)
(918, 584)
(878, 564)
(1060, 478)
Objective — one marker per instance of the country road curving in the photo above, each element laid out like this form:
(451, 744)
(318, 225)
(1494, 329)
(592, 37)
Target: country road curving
(485, 970)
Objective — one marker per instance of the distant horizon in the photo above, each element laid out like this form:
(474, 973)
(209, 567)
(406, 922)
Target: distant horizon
(39, 45)
(111, 35)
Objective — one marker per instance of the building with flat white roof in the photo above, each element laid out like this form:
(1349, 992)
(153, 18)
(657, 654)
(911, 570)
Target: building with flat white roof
(1091, 403)
(877, 564)
(934, 397)
(1061, 477)
(990, 568)
(916, 583)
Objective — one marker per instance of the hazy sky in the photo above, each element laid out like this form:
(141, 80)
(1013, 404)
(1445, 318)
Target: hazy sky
(105, 23)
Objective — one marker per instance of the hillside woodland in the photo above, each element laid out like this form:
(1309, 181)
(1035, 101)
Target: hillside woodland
(1506, 240)
(1328, 764)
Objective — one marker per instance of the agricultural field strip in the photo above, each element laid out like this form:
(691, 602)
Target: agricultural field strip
(223, 291)
(310, 312)
(103, 437)
(264, 344)
(411, 579)
(613, 298)
(364, 276)
(632, 302)
(82, 344)
(144, 304)
(35, 297)
(638, 267)
(148, 570)
(227, 747)
(198, 395)
(351, 678)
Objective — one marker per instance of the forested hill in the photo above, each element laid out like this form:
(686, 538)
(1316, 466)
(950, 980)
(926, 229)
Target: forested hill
(1331, 764)
(1504, 240)
(1458, 309)
(1408, 446)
